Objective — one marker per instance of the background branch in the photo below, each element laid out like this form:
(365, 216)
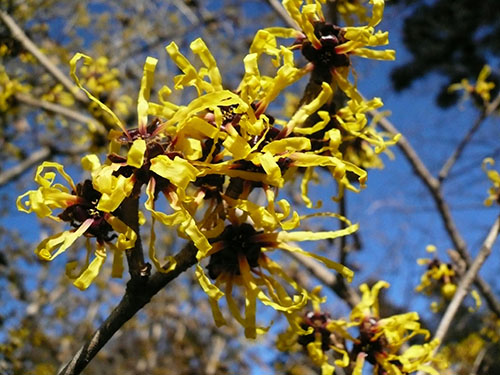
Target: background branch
(19, 35)
(434, 187)
(334, 281)
(278, 8)
(59, 109)
(45, 153)
(490, 108)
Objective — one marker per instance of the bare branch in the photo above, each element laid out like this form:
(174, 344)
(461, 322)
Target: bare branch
(418, 166)
(19, 34)
(16, 171)
(434, 187)
(479, 359)
(135, 298)
(35, 158)
(335, 282)
(59, 109)
(190, 15)
(465, 284)
(217, 348)
(490, 108)
(278, 8)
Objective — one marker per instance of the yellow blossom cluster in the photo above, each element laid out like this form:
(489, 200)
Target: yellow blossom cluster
(481, 89)
(494, 177)
(8, 88)
(203, 165)
(364, 337)
(440, 278)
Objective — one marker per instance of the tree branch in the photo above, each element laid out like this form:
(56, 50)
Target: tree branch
(213, 361)
(134, 299)
(434, 187)
(35, 158)
(129, 214)
(278, 8)
(19, 35)
(335, 282)
(445, 170)
(59, 109)
(465, 284)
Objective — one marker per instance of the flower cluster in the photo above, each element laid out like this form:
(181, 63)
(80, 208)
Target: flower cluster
(213, 169)
(494, 177)
(440, 278)
(379, 341)
(479, 91)
(8, 88)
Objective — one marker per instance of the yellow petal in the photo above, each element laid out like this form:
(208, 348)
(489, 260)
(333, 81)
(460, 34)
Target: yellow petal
(86, 278)
(178, 171)
(145, 91)
(343, 270)
(87, 60)
(60, 241)
(200, 48)
(135, 156)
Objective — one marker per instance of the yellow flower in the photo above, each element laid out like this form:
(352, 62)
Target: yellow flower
(313, 331)
(480, 90)
(239, 257)
(79, 205)
(381, 339)
(8, 88)
(328, 47)
(205, 159)
(440, 278)
(351, 9)
(494, 176)
(58, 94)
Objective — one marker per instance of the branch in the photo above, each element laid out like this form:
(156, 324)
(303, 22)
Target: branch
(59, 109)
(335, 282)
(434, 187)
(16, 171)
(445, 170)
(19, 35)
(465, 284)
(35, 158)
(213, 361)
(278, 8)
(139, 270)
(135, 298)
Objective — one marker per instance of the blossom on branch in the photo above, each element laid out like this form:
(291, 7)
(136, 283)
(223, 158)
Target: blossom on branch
(80, 209)
(365, 336)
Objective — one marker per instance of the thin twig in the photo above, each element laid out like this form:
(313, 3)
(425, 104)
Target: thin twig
(335, 282)
(135, 298)
(35, 158)
(278, 8)
(479, 359)
(190, 15)
(490, 108)
(434, 187)
(213, 361)
(59, 109)
(17, 170)
(465, 284)
(19, 35)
